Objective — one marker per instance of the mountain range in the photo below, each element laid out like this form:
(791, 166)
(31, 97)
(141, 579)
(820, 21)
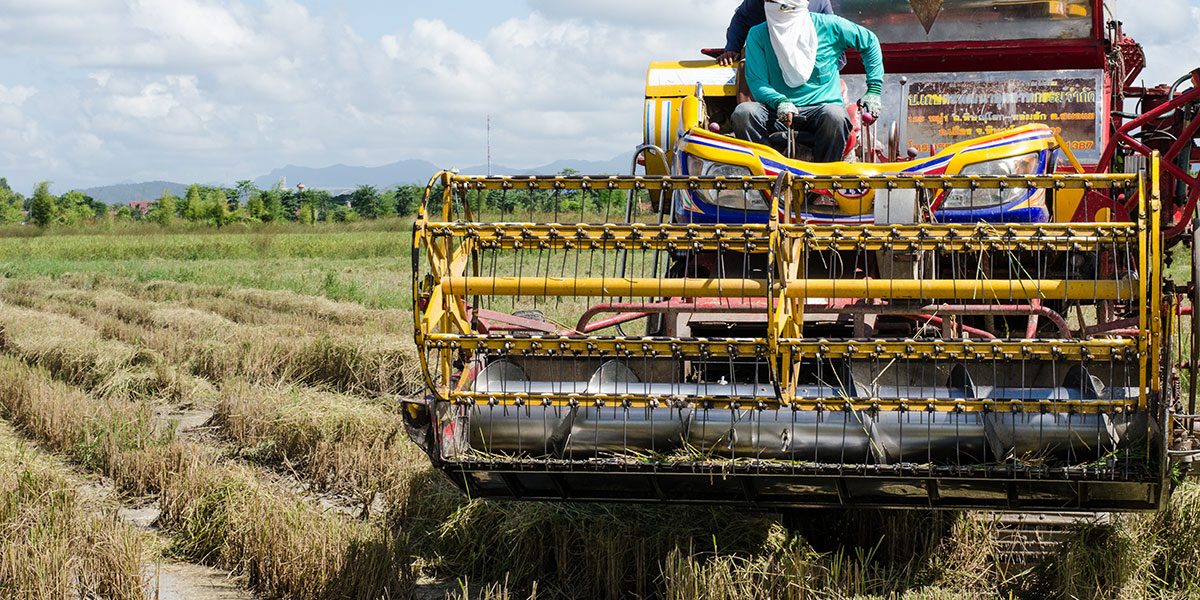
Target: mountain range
(340, 178)
(124, 193)
(343, 177)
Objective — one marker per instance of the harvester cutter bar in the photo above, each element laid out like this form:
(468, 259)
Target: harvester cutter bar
(755, 238)
(826, 405)
(775, 467)
(763, 484)
(578, 346)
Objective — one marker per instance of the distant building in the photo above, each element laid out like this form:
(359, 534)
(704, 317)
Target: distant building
(142, 207)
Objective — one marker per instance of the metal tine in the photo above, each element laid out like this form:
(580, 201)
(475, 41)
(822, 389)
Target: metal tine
(584, 197)
(957, 439)
(537, 273)
(821, 378)
(846, 415)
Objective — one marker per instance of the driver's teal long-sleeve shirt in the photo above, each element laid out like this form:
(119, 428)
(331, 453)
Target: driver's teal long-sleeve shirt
(835, 35)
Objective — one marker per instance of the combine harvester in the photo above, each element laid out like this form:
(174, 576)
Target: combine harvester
(971, 312)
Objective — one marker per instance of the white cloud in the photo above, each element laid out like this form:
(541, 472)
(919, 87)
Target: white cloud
(219, 90)
(154, 102)
(21, 132)
(15, 96)
(1167, 34)
(224, 89)
(17, 129)
(672, 15)
(100, 77)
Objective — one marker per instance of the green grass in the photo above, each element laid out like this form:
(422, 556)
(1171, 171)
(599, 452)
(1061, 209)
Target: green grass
(378, 282)
(190, 246)
(147, 228)
(369, 267)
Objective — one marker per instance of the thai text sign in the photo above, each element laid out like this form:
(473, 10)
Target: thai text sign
(943, 110)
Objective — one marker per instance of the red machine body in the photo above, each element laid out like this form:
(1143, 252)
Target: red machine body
(1030, 39)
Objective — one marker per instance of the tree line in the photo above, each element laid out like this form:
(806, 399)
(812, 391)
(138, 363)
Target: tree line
(211, 205)
(43, 207)
(245, 203)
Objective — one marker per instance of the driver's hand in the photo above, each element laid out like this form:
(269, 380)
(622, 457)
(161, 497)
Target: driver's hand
(872, 103)
(728, 58)
(784, 112)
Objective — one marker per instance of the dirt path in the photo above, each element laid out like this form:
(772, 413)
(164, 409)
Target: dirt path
(433, 589)
(171, 580)
(189, 422)
(165, 579)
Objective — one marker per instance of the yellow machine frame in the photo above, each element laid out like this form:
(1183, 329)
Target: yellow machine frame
(446, 240)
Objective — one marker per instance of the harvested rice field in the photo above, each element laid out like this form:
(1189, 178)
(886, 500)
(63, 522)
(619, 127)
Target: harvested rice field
(217, 416)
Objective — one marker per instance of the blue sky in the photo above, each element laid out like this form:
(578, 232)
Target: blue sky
(94, 92)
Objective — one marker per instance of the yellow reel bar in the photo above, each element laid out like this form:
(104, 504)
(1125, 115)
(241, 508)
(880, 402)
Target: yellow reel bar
(904, 289)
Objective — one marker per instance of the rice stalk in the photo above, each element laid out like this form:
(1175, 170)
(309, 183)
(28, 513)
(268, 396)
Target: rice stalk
(77, 354)
(50, 547)
(211, 347)
(336, 443)
(216, 512)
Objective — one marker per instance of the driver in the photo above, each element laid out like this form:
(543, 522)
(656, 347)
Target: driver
(749, 14)
(792, 70)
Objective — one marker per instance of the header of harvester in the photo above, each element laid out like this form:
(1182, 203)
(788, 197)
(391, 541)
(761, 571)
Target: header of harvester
(962, 302)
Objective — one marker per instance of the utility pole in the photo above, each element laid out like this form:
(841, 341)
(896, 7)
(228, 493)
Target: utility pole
(489, 144)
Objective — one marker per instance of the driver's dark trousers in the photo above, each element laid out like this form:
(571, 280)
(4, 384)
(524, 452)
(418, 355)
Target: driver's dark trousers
(825, 127)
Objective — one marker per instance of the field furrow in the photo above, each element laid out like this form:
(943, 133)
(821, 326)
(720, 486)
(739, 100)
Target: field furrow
(51, 545)
(207, 345)
(215, 511)
(334, 442)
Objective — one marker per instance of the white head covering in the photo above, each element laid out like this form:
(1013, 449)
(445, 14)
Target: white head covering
(794, 38)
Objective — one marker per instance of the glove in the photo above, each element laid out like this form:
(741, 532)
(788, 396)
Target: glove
(786, 112)
(872, 101)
